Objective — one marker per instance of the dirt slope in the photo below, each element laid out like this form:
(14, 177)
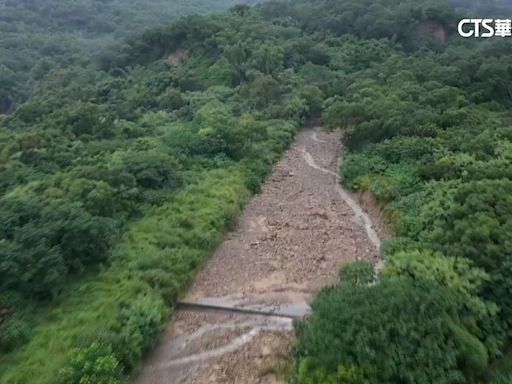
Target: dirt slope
(291, 240)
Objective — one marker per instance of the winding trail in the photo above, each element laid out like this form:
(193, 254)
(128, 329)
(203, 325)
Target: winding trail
(291, 240)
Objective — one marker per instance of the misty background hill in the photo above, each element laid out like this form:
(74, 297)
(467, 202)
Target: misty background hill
(486, 8)
(38, 35)
(129, 143)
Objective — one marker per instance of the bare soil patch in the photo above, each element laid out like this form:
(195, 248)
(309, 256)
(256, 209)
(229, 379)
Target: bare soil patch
(291, 240)
(177, 56)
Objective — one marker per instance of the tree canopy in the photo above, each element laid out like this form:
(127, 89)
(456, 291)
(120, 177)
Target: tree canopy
(121, 168)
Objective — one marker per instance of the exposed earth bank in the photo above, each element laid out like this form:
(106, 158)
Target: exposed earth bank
(291, 240)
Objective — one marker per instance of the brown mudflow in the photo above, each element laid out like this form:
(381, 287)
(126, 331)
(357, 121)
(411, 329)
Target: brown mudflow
(291, 240)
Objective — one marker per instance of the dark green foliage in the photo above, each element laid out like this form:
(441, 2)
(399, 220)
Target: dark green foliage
(54, 34)
(474, 221)
(359, 272)
(94, 364)
(42, 244)
(263, 91)
(393, 332)
(151, 170)
(137, 328)
(484, 8)
(343, 374)
(14, 331)
(117, 184)
(438, 152)
(85, 120)
(426, 133)
(120, 172)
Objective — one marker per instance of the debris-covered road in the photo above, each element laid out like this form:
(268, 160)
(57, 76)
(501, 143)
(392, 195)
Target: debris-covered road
(291, 240)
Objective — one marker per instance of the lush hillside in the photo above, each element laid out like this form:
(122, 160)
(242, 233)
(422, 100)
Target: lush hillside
(37, 35)
(485, 8)
(118, 180)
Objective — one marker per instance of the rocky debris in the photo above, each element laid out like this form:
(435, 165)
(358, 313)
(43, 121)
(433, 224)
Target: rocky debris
(291, 240)
(264, 360)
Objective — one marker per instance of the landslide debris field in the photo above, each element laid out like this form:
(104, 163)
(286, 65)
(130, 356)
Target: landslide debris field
(290, 241)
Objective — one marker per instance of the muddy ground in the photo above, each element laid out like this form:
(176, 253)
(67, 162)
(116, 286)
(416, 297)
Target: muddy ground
(291, 240)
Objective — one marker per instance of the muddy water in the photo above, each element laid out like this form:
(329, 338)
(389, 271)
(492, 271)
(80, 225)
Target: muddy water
(291, 240)
(365, 220)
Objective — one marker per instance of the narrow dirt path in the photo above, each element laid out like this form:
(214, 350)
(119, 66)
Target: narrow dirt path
(291, 240)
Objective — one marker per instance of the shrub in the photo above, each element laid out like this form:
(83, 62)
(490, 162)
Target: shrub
(396, 331)
(472, 220)
(503, 379)
(13, 332)
(461, 276)
(151, 169)
(394, 244)
(343, 375)
(137, 328)
(421, 264)
(92, 365)
(359, 272)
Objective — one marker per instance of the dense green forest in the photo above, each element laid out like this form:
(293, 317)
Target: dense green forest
(120, 174)
(38, 35)
(484, 8)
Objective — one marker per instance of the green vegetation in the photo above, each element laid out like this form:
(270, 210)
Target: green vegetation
(38, 36)
(119, 180)
(484, 8)
(120, 173)
(428, 134)
(416, 326)
(120, 311)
